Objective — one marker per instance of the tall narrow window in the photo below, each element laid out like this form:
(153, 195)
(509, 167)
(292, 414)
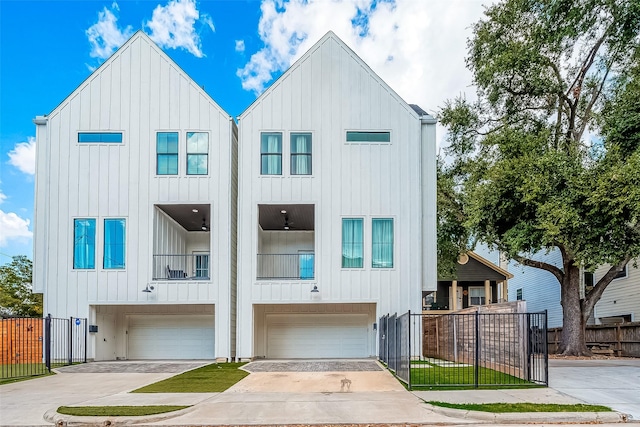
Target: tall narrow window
(167, 153)
(197, 153)
(382, 243)
(114, 243)
(271, 153)
(300, 154)
(84, 243)
(352, 243)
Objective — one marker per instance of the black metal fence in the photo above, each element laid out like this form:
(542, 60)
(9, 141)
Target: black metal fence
(32, 346)
(466, 350)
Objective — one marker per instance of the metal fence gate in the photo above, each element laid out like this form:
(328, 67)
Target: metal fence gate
(32, 346)
(466, 350)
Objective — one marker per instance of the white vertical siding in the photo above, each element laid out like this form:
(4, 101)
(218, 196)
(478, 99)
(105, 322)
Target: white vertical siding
(327, 92)
(138, 91)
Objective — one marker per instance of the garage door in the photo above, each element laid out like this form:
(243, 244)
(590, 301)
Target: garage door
(171, 337)
(317, 335)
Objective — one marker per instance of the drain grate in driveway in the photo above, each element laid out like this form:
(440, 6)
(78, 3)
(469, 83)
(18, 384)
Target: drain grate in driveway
(131, 367)
(313, 366)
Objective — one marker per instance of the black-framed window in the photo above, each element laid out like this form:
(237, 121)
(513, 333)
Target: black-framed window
(300, 154)
(271, 153)
(167, 153)
(621, 274)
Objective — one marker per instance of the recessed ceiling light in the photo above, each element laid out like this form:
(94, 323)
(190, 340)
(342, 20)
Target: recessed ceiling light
(283, 211)
(194, 210)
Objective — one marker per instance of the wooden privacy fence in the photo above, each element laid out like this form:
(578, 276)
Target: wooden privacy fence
(622, 339)
(22, 340)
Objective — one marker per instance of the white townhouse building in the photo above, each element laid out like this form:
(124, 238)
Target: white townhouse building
(336, 209)
(135, 209)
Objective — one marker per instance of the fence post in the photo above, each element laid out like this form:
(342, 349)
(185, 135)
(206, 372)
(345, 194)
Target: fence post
(546, 348)
(409, 354)
(86, 332)
(477, 364)
(528, 343)
(47, 342)
(70, 340)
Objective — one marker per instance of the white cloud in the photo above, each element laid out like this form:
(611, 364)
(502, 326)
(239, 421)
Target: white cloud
(239, 45)
(105, 36)
(23, 156)
(173, 26)
(13, 227)
(417, 47)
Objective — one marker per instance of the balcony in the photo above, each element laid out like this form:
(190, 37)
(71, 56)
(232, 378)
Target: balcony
(286, 266)
(181, 267)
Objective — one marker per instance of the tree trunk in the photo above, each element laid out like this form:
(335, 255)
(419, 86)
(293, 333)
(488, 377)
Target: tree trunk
(573, 326)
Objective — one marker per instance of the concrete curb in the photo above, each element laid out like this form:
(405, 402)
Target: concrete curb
(57, 419)
(533, 417)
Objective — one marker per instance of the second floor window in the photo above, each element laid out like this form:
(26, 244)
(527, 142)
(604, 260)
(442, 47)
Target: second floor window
(271, 153)
(114, 243)
(167, 153)
(84, 243)
(352, 242)
(382, 243)
(300, 154)
(197, 153)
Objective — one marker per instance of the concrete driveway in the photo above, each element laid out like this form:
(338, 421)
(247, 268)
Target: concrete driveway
(610, 382)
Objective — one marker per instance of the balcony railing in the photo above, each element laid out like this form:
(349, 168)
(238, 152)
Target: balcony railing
(286, 267)
(181, 267)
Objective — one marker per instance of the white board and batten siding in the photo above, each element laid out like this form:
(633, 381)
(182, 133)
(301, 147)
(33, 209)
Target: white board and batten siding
(328, 92)
(138, 91)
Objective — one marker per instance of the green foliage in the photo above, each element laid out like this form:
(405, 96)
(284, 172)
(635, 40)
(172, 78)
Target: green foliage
(117, 411)
(522, 407)
(212, 378)
(16, 296)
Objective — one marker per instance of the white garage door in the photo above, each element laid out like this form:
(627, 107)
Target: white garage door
(171, 337)
(317, 335)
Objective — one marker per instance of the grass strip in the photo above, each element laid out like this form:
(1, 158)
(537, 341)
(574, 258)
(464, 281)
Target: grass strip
(212, 378)
(117, 411)
(461, 376)
(522, 407)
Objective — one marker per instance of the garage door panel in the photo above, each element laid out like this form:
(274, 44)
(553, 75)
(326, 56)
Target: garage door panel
(171, 337)
(321, 336)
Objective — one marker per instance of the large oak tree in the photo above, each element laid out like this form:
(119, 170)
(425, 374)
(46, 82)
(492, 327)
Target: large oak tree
(525, 170)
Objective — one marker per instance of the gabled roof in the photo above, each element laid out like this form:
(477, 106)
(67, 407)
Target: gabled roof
(135, 37)
(332, 37)
(478, 268)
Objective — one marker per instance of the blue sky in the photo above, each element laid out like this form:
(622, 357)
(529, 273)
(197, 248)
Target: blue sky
(234, 48)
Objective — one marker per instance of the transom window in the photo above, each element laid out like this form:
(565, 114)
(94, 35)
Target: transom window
(271, 153)
(167, 153)
(197, 153)
(352, 243)
(371, 137)
(300, 154)
(382, 243)
(84, 243)
(100, 137)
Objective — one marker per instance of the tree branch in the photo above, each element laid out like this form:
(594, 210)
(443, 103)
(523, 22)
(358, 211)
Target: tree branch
(594, 97)
(541, 265)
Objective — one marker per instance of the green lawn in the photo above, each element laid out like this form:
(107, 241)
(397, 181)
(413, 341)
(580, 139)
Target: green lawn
(208, 379)
(21, 371)
(522, 407)
(116, 411)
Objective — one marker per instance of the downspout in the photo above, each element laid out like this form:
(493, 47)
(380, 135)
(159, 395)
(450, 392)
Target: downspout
(41, 237)
(428, 190)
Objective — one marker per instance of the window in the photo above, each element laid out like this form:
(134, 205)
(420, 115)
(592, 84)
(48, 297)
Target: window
(476, 295)
(588, 280)
(197, 153)
(300, 154)
(271, 153)
(352, 243)
(519, 294)
(100, 137)
(84, 243)
(357, 136)
(114, 243)
(382, 243)
(202, 265)
(167, 153)
(621, 274)
(305, 262)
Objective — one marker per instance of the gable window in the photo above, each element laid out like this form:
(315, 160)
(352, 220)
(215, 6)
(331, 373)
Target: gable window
(167, 153)
(100, 137)
(621, 274)
(114, 243)
(300, 154)
(271, 153)
(84, 243)
(370, 137)
(197, 153)
(382, 243)
(476, 295)
(352, 243)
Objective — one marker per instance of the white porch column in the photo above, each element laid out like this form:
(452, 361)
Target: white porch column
(454, 295)
(487, 292)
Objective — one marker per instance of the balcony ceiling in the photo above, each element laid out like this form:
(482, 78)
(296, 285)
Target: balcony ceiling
(184, 215)
(300, 217)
